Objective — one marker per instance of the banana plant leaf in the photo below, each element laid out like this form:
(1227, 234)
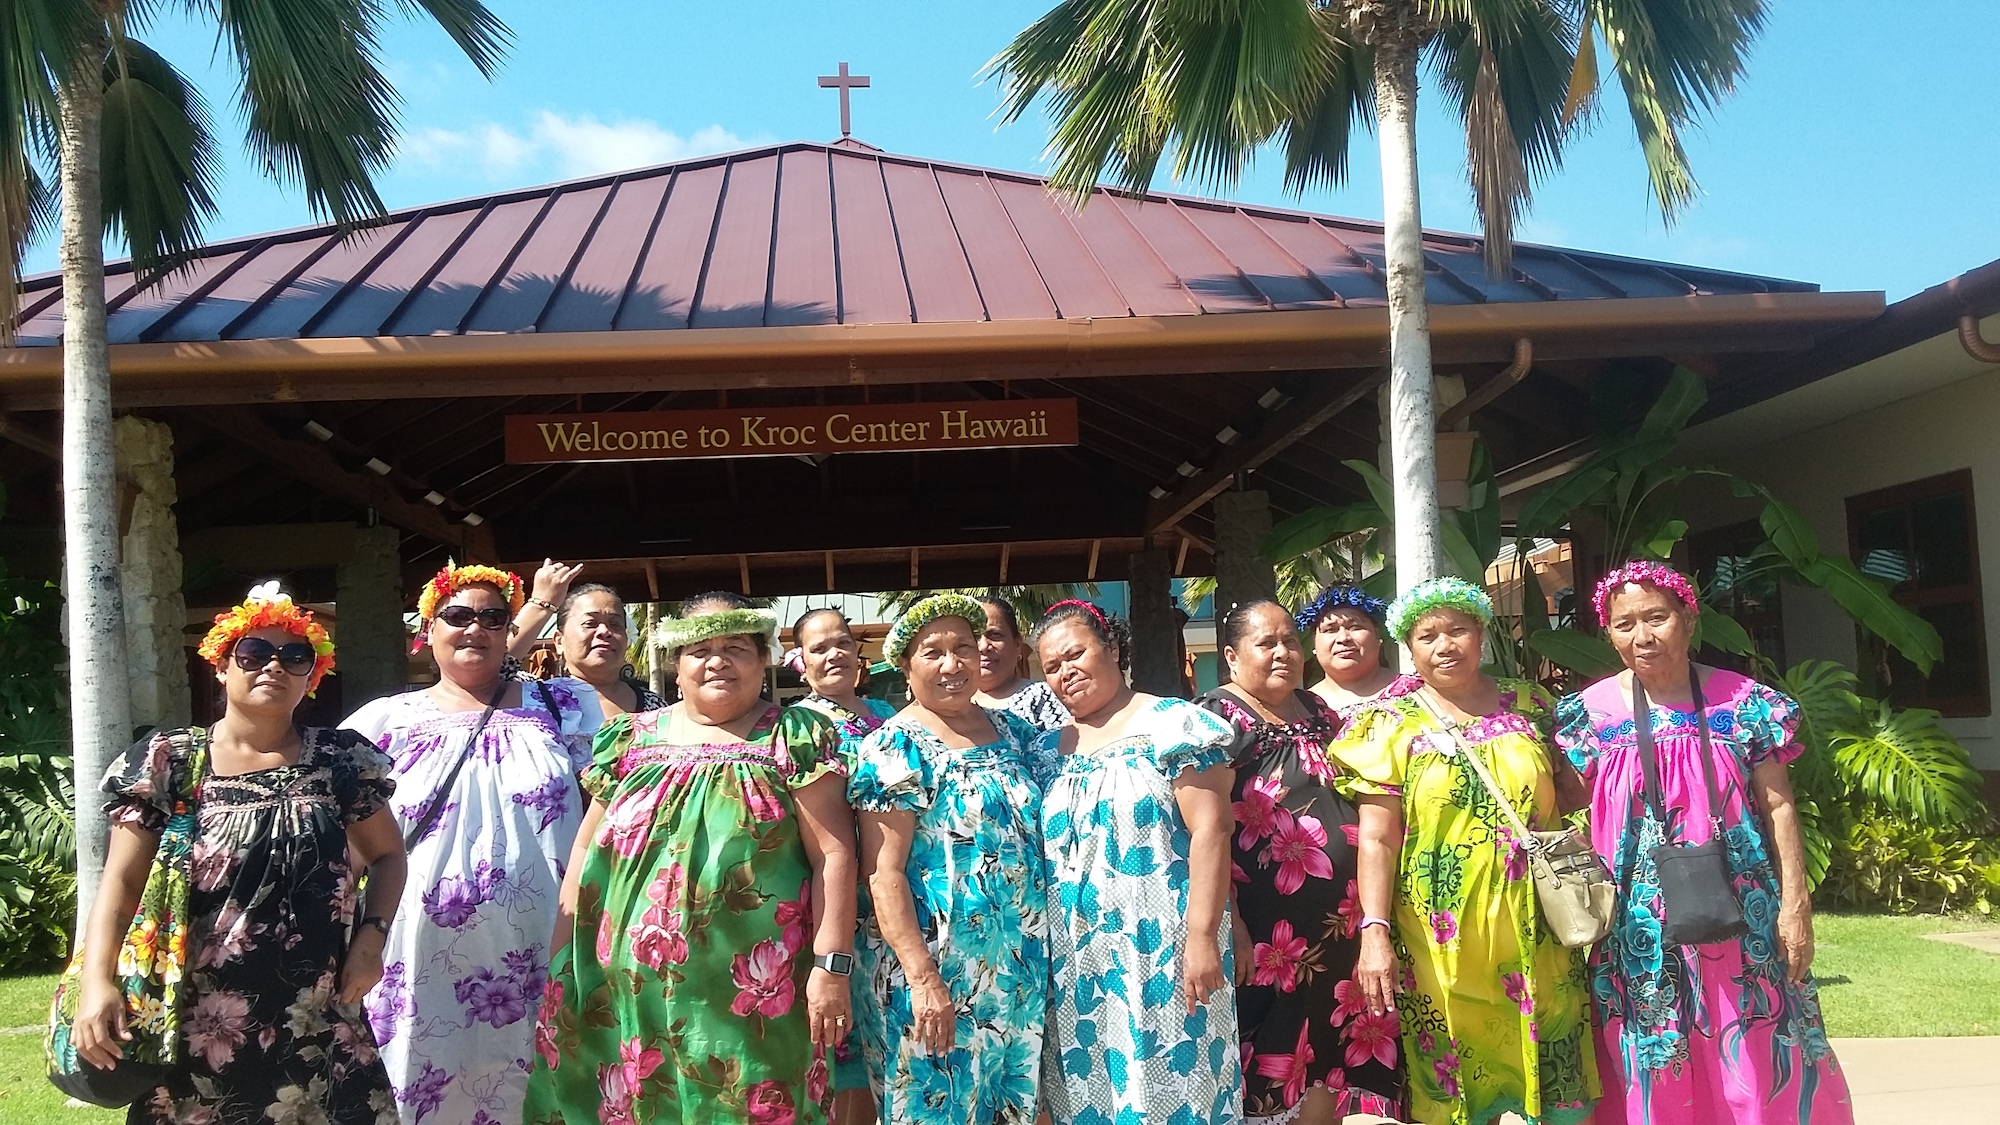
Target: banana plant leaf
(1379, 488)
(1464, 556)
(1867, 600)
(1679, 399)
(1316, 527)
(1550, 508)
(1723, 632)
(1578, 652)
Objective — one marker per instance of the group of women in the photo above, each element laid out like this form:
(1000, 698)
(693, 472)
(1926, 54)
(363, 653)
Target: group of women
(1015, 899)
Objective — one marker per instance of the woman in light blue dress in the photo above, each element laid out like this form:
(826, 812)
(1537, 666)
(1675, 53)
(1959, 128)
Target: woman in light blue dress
(1136, 823)
(950, 818)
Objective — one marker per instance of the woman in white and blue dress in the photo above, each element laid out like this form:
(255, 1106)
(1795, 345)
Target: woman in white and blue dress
(1135, 825)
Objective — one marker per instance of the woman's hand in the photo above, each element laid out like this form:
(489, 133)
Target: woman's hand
(1376, 970)
(363, 968)
(827, 1012)
(933, 1013)
(100, 1024)
(552, 580)
(1795, 937)
(1246, 950)
(1201, 970)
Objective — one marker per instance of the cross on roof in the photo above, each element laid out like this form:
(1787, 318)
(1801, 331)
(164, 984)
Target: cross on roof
(845, 82)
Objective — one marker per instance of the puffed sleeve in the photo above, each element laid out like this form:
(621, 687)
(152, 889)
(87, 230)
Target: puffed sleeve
(1576, 734)
(1189, 738)
(1242, 738)
(1373, 753)
(601, 776)
(579, 716)
(810, 746)
(1767, 725)
(362, 784)
(144, 782)
(890, 774)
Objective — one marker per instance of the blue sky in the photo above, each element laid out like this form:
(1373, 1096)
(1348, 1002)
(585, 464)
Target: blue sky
(1860, 153)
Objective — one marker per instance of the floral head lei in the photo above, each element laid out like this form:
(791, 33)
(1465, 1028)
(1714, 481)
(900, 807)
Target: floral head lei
(268, 607)
(1309, 617)
(923, 613)
(1643, 572)
(676, 633)
(447, 582)
(1433, 595)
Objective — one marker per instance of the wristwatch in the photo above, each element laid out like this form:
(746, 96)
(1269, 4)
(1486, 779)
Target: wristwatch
(839, 964)
(376, 921)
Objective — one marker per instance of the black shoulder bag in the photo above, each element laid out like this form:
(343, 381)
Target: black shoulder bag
(423, 824)
(1697, 895)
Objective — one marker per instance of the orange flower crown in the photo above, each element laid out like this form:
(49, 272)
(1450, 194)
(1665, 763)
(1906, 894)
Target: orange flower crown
(454, 578)
(268, 607)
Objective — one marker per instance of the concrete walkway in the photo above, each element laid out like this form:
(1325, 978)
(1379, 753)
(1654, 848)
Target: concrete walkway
(1952, 1081)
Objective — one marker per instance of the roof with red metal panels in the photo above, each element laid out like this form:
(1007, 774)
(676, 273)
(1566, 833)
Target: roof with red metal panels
(804, 234)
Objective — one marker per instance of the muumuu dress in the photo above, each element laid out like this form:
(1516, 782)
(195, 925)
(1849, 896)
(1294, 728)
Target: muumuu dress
(1495, 1011)
(975, 875)
(1302, 1018)
(273, 900)
(680, 998)
(1697, 1035)
(1120, 1046)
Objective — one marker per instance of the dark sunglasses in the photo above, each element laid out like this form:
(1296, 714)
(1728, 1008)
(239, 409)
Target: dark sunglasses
(492, 618)
(254, 654)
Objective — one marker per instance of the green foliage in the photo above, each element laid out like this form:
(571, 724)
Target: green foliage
(37, 837)
(1029, 602)
(37, 902)
(1902, 865)
(1905, 761)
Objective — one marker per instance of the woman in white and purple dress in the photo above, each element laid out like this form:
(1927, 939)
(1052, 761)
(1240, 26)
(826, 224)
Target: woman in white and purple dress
(489, 827)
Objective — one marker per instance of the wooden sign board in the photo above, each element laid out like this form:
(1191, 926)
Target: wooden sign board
(789, 431)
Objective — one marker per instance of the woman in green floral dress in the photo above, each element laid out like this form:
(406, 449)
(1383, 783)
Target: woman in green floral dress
(713, 872)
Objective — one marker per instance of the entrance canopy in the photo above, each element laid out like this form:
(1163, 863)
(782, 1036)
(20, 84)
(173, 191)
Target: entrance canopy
(310, 378)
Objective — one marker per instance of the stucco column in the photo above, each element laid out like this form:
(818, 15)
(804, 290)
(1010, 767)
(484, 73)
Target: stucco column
(1156, 641)
(150, 573)
(1242, 523)
(373, 656)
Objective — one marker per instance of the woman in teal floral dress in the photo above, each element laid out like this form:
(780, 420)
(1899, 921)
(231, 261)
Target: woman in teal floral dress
(951, 843)
(715, 863)
(1136, 825)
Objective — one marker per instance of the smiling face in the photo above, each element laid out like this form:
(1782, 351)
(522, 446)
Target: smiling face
(266, 689)
(1265, 659)
(832, 655)
(723, 676)
(472, 656)
(1000, 648)
(1348, 645)
(942, 664)
(1445, 646)
(594, 636)
(1650, 628)
(1081, 667)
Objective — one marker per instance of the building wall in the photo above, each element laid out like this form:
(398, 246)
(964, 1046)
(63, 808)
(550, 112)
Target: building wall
(1953, 427)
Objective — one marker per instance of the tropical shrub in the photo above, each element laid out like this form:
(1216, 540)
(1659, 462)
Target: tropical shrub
(37, 834)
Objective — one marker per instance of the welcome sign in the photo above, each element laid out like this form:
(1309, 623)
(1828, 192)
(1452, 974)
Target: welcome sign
(789, 431)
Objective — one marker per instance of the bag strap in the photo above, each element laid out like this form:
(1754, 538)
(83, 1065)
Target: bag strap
(1467, 751)
(423, 823)
(1649, 764)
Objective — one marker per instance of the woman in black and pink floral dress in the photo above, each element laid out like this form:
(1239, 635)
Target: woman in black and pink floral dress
(1312, 1052)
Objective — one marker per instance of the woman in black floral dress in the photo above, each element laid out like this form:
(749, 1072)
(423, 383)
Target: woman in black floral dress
(1312, 1053)
(271, 1027)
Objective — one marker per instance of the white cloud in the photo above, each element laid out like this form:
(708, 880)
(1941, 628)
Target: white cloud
(560, 146)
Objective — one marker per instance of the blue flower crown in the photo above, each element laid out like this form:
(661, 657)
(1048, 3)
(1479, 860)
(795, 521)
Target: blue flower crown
(1336, 597)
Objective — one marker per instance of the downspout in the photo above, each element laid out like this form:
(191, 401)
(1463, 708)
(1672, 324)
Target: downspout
(1976, 346)
(1524, 358)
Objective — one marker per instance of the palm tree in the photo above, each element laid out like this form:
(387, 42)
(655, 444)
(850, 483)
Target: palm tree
(132, 144)
(1030, 602)
(1216, 80)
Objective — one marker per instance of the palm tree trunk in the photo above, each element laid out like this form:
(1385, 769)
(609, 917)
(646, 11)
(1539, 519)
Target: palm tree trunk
(1412, 415)
(100, 708)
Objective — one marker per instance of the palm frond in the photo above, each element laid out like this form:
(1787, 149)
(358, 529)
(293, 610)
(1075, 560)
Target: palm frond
(38, 48)
(477, 31)
(1907, 764)
(158, 161)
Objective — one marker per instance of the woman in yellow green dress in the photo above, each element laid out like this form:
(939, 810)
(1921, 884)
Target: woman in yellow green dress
(1494, 1010)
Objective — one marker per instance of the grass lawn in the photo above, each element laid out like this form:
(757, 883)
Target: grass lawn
(1880, 979)
(26, 1098)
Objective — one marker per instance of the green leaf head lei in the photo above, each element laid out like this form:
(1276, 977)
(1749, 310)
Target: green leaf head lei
(1435, 594)
(923, 613)
(676, 633)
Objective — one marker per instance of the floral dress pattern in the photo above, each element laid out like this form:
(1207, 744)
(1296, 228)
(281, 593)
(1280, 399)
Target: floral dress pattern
(1120, 1047)
(1302, 1018)
(468, 953)
(681, 995)
(850, 1071)
(1495, 1010)
(272, 898)
(1697, 1034)
(975, 874)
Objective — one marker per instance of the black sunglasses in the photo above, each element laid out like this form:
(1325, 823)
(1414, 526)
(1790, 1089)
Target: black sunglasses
(492, 618)
(254, 654)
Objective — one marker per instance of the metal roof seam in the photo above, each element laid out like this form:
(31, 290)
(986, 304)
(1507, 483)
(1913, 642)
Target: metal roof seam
(1432, 265)
(1614, 289)
(1014, 227)
(985, 310)
(771, 244)
(507, 261)
(389, 247)
(272, 292)
(708, 252)
(646, 247)
(1304, 270)
(1151, 250)
(194, 296)
(833, 232)
(1524, 278)
(896, 236)
(436, 267)
(1226, 256)
(582, 245)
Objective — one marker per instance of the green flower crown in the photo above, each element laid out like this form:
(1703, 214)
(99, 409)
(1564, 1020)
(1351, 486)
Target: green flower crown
(926, 611)
(676, 633)
(1433, 595)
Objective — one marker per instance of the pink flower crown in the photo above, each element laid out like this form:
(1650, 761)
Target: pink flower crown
(1660, 576)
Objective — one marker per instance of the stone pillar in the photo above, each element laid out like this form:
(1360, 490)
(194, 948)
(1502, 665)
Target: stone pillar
(1242, 523)
(150, 573)
(374, 657)
(1156, 632)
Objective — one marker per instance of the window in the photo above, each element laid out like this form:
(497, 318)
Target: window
(1921, 539)
(1731, 586)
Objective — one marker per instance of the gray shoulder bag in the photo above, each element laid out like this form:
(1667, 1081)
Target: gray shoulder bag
(1697, 895)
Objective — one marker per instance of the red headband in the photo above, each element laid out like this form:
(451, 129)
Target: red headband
(1095, 613)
